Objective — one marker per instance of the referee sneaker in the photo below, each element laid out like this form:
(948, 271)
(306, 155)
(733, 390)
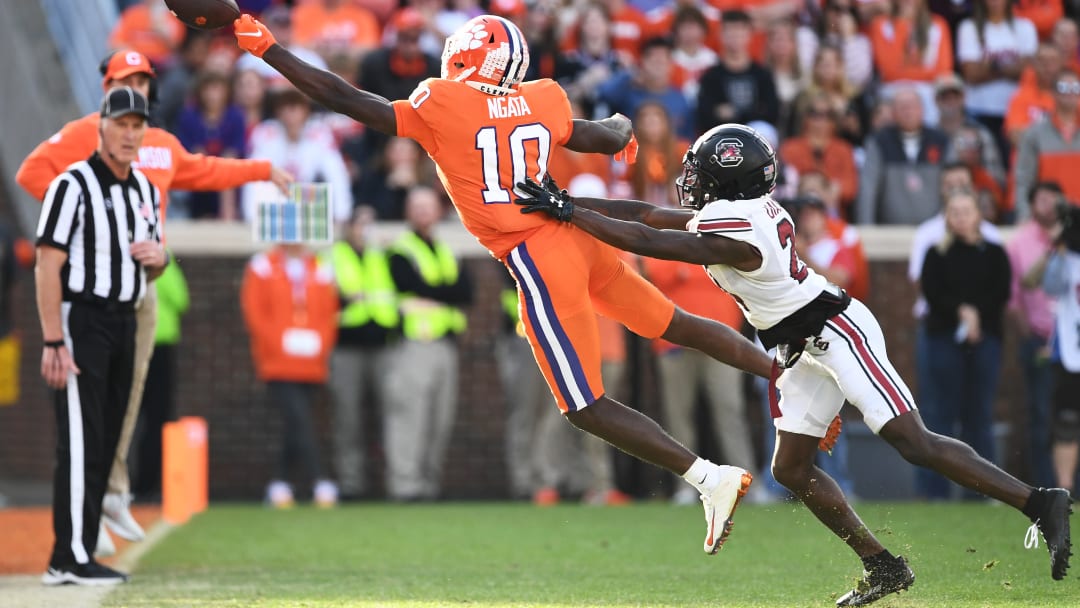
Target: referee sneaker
(98, 245)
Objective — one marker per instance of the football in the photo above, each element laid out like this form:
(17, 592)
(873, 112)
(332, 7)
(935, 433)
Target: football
(204, 14)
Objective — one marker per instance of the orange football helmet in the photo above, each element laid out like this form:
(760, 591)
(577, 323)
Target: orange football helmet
(488, 53)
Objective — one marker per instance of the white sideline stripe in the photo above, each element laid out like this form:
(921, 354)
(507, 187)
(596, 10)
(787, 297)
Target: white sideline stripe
(76, 450)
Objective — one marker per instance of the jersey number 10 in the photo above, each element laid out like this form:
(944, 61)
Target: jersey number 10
(488, 144)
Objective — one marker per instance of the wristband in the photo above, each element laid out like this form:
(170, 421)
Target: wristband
(54, 343)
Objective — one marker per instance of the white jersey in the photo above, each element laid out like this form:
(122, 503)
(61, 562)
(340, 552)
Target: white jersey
(783, 284)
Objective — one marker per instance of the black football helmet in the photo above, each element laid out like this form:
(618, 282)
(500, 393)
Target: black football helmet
(729, 162)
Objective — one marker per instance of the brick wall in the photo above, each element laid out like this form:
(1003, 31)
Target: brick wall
(215, 381)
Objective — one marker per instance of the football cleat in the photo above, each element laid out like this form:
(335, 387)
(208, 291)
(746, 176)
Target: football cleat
(488, 53)
(874, 585)
(1053, 523)
(720, 505)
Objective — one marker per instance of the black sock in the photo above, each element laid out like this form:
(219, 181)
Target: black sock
(871, 563)
(1035, 504)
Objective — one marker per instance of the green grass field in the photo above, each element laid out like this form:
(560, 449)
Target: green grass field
(503, 555)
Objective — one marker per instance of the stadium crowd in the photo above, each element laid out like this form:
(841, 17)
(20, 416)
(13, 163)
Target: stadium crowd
(881, 111)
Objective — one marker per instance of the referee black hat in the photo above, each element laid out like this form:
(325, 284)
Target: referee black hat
(122, 101)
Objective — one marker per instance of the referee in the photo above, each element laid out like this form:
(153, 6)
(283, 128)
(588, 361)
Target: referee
(97, 246)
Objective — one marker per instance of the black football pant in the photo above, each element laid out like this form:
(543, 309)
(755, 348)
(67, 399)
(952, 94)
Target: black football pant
(89, 415)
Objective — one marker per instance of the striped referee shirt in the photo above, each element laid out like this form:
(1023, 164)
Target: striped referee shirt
(95, 218)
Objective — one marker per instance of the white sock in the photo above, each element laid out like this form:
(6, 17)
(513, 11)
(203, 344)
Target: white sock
(703, 475)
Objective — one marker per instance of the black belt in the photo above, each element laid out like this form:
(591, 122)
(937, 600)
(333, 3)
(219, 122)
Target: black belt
(103, 304)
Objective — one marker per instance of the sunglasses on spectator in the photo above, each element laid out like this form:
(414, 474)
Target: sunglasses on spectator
(1068, 87)
(818, 113)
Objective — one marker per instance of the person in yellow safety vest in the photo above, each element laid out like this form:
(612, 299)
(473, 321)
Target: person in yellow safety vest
(368, 324)
(421, 388)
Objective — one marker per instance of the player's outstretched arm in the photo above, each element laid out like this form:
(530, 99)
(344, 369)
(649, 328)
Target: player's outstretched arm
(633, 234)
(638, 211)
(677, 245)
(327, 88)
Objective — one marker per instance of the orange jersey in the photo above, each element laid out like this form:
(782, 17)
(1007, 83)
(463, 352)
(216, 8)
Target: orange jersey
(897, 58)
(162, 158)
(482, 145)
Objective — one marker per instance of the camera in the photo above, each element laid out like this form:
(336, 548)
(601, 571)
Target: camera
(1069, 216)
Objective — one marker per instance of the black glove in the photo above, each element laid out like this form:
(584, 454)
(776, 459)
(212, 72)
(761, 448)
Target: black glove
(547, 198)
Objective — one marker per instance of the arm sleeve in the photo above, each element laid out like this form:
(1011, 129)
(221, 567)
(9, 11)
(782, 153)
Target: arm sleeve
(212, 173)
(409, 121)
(57, 221)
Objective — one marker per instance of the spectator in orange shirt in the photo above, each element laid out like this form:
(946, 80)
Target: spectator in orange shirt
(816, 186)
(1034, 99)
(836, 257)
(290, 306)
(332, 26)
(1066, 37)
(1042, 13)
(151, 29)
(661, 21)
(912, 45)
(817, 148)
(628, 29)
(1050, 149)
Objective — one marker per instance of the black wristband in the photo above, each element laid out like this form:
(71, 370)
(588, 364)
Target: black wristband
(54, 343)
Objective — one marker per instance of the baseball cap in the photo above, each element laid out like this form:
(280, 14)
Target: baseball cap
(124, 63)
(948, 82)
(122, 101)
(407, 18)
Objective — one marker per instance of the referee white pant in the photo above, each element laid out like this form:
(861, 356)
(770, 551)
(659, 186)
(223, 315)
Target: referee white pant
(89, 415)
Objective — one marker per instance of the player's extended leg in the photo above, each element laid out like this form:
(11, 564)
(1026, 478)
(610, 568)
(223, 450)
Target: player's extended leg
(557, 310)
(793, 466)
(856, 354)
